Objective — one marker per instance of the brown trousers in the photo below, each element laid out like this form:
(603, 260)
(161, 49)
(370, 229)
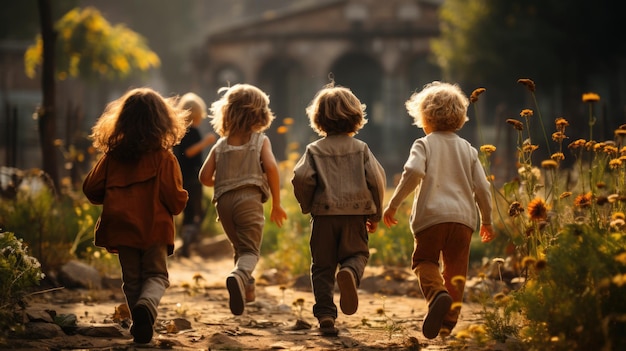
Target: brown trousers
(451, 242)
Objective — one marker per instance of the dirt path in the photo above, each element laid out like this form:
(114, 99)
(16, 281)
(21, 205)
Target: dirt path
(196, 317)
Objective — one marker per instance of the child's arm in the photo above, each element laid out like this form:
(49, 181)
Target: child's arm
(94, 183)
(207, 172)
(271, 169)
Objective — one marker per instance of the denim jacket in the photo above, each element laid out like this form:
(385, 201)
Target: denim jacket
(339, 175)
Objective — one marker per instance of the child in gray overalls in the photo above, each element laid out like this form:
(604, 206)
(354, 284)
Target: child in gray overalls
(243, 170)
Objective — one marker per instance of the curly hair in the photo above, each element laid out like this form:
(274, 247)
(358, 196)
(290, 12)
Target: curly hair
(138, 122)
(336, 110)
(441, 106)
(242, 109)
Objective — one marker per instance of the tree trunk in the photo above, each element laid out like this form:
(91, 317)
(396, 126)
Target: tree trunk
(47, 112)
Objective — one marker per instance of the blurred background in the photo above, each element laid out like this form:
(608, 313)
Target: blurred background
(383, 50)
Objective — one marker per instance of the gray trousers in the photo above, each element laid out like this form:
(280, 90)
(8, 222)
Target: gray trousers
(335, 240)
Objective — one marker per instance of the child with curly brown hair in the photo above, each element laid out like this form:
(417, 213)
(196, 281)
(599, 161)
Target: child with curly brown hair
(449, 183)
(243, 171)
(139, 184)
(341, 184)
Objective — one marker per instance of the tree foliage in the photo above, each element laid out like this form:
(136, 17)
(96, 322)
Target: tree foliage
(90, 47)
(500, 41)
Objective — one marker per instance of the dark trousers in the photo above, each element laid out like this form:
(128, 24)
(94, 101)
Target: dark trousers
(335, 240)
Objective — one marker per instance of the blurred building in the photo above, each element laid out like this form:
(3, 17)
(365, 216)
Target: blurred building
(379, 49)
(289, 48)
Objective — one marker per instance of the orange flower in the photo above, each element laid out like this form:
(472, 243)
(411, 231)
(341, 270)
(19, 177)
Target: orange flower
(561, 123)
(558, 156)
(577, 144)
(526, 112)
(529, 84)
(537, 210)
(583, 200)
(558, 136)
(549, 164)
(474, 97)
(515, 123)
(591, 97)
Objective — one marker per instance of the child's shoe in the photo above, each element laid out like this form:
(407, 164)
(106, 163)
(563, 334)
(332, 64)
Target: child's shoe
(235, 287)
(349, 300)
(327, 326)
(437, 310)
(142, 328)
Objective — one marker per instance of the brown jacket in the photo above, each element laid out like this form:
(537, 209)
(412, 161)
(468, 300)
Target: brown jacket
(139, 200)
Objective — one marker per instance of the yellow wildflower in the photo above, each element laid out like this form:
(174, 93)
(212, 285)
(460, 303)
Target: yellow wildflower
(529, 147)
(558, 136)
(576, 144)
(526, 113)
(558, 156)
(615, 163)
(591, 97)
(618, 215)
(565, 194)
(549, 164)
(561, 123)
(487, 149)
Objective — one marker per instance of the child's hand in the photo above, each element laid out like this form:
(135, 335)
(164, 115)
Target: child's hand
(278, 215)
(389, 217)
(486, 233)
(371, 226)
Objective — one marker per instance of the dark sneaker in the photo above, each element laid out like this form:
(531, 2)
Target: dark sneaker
(349, 300)
(327, 326)
(142, 328)
(235, 287)
(437, 310)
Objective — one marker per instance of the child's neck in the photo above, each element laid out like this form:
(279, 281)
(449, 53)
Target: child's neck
(238, 139)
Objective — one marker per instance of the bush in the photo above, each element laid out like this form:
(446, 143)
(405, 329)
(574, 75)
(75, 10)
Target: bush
(19, 273)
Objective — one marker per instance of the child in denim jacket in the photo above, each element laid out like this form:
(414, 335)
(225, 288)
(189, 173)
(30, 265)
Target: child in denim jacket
(341, 184)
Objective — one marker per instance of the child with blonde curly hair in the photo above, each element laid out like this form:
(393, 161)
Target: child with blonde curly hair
(449, 183)
(139, 184)
(341, 184)
(243, 171)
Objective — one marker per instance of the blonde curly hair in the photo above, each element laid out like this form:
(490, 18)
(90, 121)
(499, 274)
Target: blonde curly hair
(242, 109)
(440, 106)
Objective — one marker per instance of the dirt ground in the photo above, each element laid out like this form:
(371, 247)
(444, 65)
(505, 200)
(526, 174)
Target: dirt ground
(194, 315)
